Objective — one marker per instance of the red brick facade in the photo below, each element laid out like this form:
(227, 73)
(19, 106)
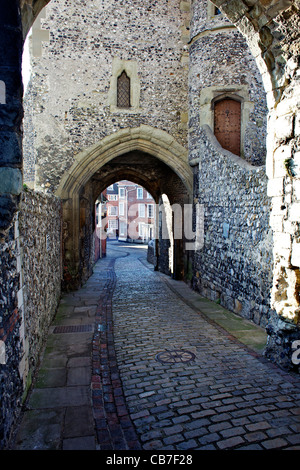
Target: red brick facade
(130, 212)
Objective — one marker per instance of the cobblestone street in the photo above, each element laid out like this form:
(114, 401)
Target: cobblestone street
(223, 398)
(162, 375)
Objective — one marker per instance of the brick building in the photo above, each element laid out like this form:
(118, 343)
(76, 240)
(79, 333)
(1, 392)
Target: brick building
(112, 203)
(130, 212)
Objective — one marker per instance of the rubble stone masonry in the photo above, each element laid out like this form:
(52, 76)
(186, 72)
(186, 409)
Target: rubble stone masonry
(30, 291)
(72, 95)
(40, 241)
(234, 265)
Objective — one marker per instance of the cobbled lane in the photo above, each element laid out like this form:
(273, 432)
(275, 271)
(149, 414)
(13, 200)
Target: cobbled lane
(129, 365)
(186, 383)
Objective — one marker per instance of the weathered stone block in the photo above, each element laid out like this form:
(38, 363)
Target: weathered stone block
(277, 206)
(275, 187)
(295, 258)
(284, 127)
(286, 106)
(7, 209)
(296, 189)
(294, 212)
(234, 9)
(282, 157)
(10, 181)
(265, 36)
(297, 124)
(296, 165)
(10, 148)
(276, 222)
(283, 240)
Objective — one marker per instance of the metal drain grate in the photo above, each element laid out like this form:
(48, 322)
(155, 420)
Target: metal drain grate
(73, 329)
(175, 356)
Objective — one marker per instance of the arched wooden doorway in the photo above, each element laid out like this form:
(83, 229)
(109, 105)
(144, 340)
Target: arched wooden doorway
(227, 124)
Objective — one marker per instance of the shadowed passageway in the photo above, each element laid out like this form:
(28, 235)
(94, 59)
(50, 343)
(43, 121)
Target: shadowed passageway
(132, 364)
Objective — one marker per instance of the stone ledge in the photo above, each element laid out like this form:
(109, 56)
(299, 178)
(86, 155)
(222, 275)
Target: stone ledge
(233, 158)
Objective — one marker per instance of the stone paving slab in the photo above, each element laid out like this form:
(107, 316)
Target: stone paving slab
(58, 413)
(40, 430)
(55, 397)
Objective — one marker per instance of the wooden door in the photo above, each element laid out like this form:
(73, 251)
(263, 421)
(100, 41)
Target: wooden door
(227, 124)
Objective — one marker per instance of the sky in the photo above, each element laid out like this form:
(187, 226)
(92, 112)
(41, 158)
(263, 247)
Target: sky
(26, 63)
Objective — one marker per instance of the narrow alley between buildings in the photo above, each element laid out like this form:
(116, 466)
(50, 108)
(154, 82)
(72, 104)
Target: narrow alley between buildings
(137, 361)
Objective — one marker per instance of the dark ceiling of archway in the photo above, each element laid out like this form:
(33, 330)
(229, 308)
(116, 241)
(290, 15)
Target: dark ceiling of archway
(144, 169)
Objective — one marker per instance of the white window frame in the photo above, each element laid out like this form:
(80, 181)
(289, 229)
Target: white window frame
(123, 233)
(121, 208)
(138, 190)
(142, 211)
(148, 211)
(113, 224)
(141, 229)
(122, 193)
(113, 210)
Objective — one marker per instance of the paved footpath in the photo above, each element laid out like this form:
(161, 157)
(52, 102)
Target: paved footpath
(131, 365)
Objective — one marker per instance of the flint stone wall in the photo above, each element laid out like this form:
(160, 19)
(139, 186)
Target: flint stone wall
(221, 63)
(11, 386)
(72, 104)
(30, 257)
(40, 232)
(235, 265)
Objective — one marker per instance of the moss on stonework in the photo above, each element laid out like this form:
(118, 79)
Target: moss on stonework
(28, 384)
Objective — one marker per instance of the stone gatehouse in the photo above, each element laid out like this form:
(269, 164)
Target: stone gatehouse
(196, 101)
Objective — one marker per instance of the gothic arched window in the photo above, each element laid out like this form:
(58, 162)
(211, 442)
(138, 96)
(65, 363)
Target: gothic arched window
(123, 91)
(227, 124)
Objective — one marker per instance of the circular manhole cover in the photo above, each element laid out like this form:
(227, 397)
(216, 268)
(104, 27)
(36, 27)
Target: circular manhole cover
(175, 356)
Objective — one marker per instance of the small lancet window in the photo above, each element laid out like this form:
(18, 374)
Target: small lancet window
(123, 91)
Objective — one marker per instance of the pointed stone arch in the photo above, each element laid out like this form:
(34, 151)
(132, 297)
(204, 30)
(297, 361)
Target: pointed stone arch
(146, 141)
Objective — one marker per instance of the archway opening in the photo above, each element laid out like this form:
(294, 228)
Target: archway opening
(157, 197)
(127, 213)
(278, 69)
